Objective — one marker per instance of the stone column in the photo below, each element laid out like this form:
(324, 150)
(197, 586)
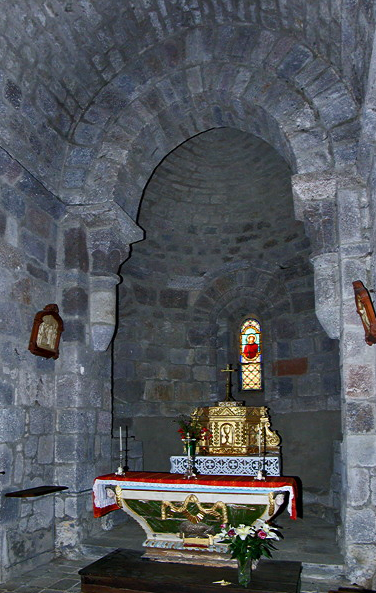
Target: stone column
(315, 205)
(94, 241)
(358, 377)
(102, 310)
(336, 215)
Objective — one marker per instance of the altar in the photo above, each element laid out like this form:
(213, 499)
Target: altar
(181, 516)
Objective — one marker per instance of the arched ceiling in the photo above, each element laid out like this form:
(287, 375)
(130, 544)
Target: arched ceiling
(60, 56)
(77, 47)
(222, 197)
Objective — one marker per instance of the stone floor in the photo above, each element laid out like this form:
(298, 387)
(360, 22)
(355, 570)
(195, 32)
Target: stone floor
(310, 540)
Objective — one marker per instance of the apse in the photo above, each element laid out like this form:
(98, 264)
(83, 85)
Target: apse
(222, 244)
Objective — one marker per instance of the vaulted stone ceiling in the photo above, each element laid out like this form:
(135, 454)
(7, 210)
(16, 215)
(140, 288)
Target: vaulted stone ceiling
(222, 196)
(58, 55)
(81, 45)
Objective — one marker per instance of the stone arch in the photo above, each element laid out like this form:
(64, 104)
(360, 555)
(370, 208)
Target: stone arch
(290, 99)
(276, 89)
(126, 132)
(233, 292)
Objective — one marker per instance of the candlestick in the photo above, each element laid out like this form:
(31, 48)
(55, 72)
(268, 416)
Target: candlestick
(190, 473)
(260, 473)
(120, 469)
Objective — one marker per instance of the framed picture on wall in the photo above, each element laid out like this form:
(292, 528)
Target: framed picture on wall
(46, 332)
(366, 311)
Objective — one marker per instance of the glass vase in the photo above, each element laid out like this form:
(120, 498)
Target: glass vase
(244, 571)
(192, 448)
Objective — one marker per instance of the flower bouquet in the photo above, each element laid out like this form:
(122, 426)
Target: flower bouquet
(191, 427)
(247, 543)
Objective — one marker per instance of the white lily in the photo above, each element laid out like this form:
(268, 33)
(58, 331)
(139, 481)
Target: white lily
(243, 530)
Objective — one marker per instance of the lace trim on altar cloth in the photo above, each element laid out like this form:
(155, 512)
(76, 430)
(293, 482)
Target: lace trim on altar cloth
(229, 466)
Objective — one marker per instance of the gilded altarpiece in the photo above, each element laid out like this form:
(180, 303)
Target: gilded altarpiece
(237, 430)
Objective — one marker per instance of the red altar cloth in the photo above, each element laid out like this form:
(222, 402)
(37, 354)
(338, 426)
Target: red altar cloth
(240, 483)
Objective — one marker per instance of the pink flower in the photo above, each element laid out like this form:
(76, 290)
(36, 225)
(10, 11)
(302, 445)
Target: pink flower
(231, 533)
(261, 534)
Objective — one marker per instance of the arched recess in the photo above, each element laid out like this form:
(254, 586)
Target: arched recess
(279, 92)
(299, 399)
(253, 290)
(290, 99)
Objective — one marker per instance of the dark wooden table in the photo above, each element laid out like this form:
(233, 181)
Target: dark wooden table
(125, 571)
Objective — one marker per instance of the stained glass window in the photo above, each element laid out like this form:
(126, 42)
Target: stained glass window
(250, 351)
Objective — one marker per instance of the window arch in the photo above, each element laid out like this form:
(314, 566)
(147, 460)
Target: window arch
(250, 355)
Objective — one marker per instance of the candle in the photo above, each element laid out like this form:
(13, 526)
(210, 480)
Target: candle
(121, 441)
(259, 435)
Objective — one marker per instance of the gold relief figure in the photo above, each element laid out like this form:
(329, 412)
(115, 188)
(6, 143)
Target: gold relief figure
(47, 333)
(118, 497)
(366, 311)
(363, 314)
(227, 434)
(271, 508)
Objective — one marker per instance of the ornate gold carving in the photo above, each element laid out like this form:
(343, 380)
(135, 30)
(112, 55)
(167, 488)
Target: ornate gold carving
(169, 507)
(235, 430)
(271, 509)
(198, 541)
(118, 497)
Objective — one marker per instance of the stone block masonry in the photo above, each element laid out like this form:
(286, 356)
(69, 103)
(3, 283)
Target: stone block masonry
(30, 215)
(223, 227)
(91, 104)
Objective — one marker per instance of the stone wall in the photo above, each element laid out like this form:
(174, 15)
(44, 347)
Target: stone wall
(83, 394)
(55, 415)
(94, 95)
(221, 244)
(29, 217)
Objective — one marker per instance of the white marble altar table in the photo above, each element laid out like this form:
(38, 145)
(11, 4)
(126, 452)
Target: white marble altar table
(184, 516)
(158, 485)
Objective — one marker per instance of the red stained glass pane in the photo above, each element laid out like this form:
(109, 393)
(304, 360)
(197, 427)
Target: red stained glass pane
(250, 351)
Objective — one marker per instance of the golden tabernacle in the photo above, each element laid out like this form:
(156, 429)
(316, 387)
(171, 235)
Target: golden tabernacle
(236, 429)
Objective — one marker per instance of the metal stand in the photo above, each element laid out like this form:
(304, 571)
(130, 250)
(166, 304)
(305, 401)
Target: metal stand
(120, 470)
(261, 440)
(123, 468)
(190, 474)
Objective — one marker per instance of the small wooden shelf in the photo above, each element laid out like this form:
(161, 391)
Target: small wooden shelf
(37, 491)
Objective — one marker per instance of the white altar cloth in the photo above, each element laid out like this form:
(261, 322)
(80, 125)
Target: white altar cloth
(219, 465)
